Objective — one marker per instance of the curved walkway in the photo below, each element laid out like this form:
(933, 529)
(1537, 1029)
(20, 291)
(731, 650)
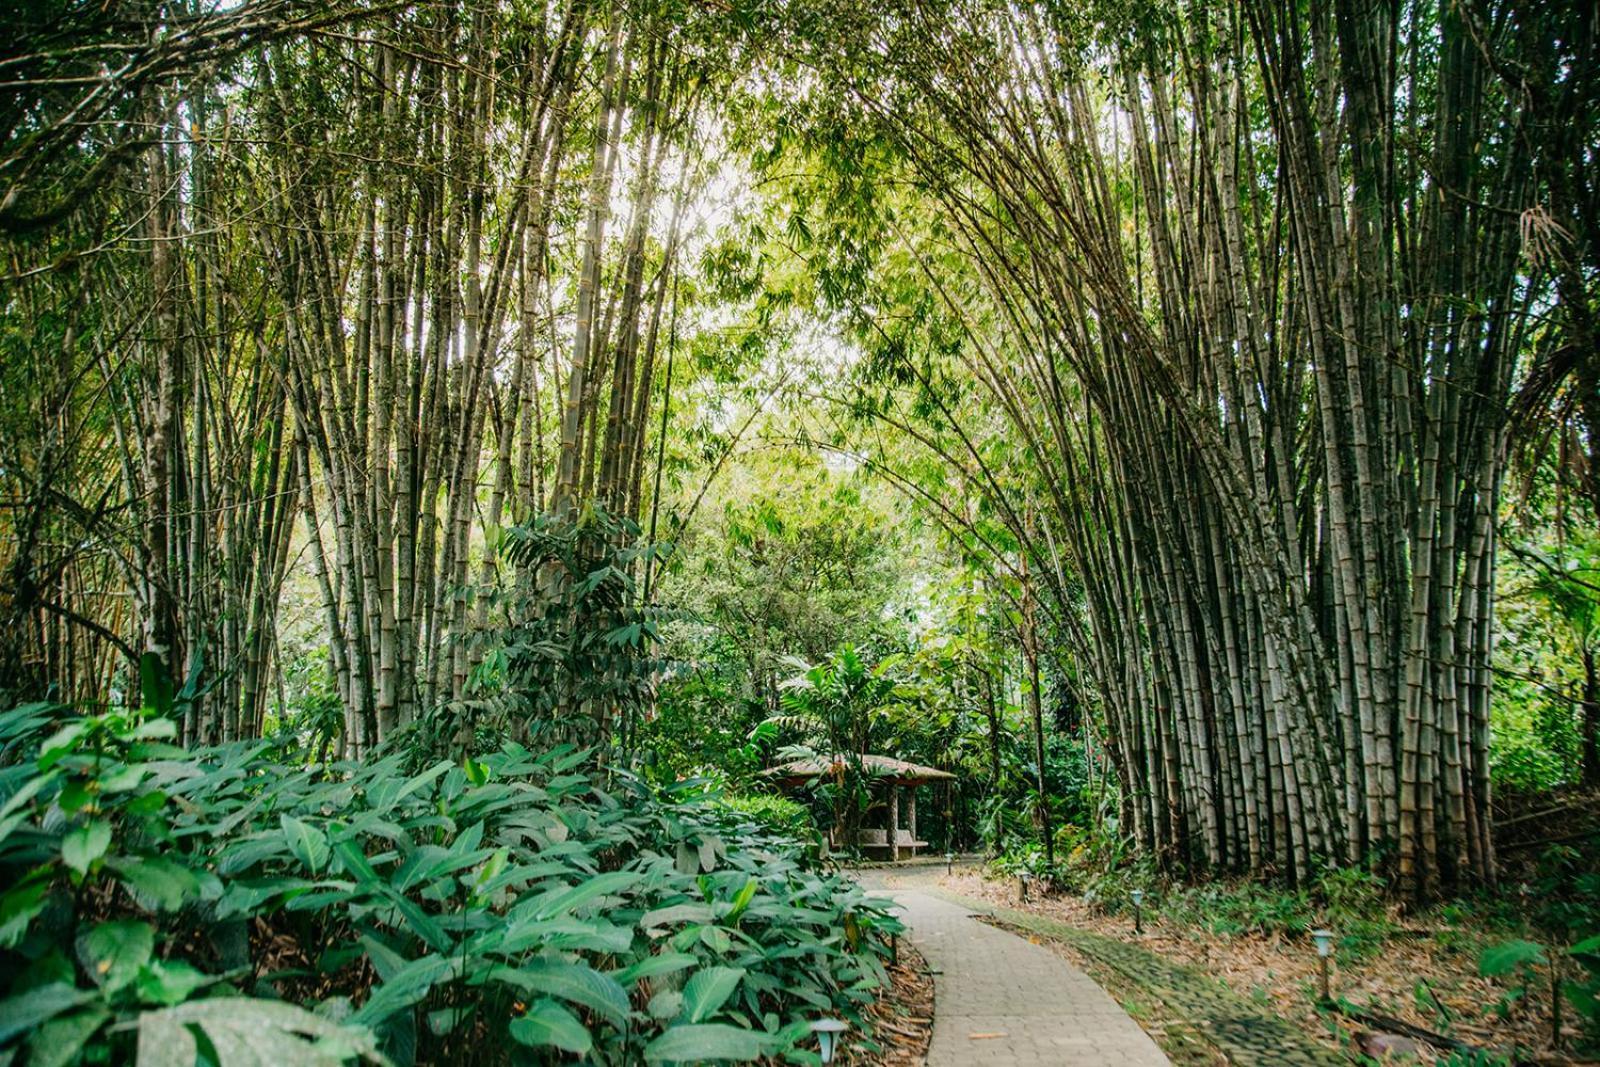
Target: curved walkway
(1003, 1001)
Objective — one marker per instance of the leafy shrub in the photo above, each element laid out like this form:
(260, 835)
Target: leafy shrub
(1584, 992)
(773, 815)
(575, 658)
(1355, 902)
(172, 903)
(1517, 962)
(1566, 889)
(1023, 858)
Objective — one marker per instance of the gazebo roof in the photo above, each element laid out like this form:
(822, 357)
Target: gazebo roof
(897, 771)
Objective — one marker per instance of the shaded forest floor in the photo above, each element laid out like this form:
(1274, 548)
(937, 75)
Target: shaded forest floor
(1425, 973)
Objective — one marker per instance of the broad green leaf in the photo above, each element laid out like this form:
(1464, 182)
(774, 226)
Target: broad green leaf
(490, 870)
(123, 778)
(1589, 947)
(575, 982)
(113, 952)
(419, 922)
(413, 784)
(673, 914)
(84, 844)
(403, 989)
(58, 1042)
(18, 908)
(548, 1023)
(243, 1030)
(156, 730)
(697, 1042)
(1584, 998)
(1505, 958)
(601, 885)
(570, 760)
(28, 1010)
(565, 933)
(12, 814)
(716, 939)
(169, 982)
(708, 990)
(385, 960)
(741, 900)
(656, 966)
(309, 844)
(157, 883)
(63, 742)
(355, 861)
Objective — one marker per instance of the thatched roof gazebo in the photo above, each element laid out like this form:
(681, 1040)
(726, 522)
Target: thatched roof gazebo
(897, 774)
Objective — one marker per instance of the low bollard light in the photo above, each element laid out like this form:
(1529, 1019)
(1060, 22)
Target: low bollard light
(1137, 896)
(828, 1032)
(1324, 941)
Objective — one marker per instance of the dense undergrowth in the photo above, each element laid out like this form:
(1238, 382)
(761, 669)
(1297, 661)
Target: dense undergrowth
(222, 903)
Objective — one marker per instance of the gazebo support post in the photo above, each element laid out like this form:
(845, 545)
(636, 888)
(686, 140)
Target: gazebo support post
(894, 824)
(911, 818)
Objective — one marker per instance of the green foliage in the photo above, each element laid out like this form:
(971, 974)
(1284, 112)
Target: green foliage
(1352, 901)
(1474, 1058)
(196, 904)
(1584, 992)
(313, 720)
(1085, 836)
(773, 814)
(788, 557)
(1517, 963)
(1233, 909)
(1514, 961)
(1563, 895)
(1548, 618)
(702, 720)
(838, 709)
(573, 660)
(1510, 957)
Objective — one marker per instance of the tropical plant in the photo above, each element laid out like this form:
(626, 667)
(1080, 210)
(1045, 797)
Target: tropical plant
(572, 660)
(837, 709)
(1566, 585)
(159, 899)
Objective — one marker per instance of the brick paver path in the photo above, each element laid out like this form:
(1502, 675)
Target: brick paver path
(1003, 1001)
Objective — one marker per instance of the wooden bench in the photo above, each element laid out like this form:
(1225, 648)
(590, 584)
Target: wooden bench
(877, 840)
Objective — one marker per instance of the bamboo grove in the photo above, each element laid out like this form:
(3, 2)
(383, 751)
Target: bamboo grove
(1203, 325)
(352, 301)
(1242, 290)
